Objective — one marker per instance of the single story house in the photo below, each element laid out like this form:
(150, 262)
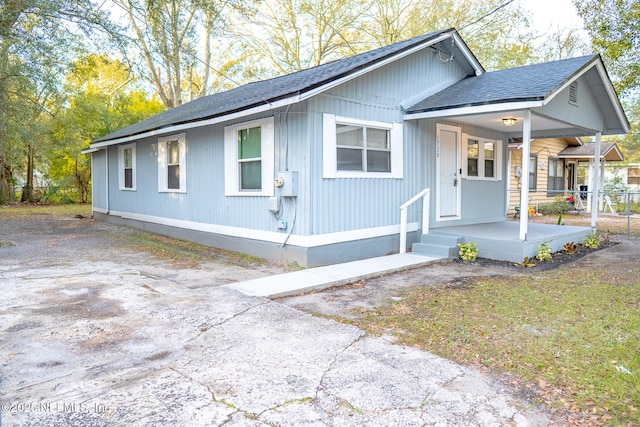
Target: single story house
(314, 166)
(554, 169)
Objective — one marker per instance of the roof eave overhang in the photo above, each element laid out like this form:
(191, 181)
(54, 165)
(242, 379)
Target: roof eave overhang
(474, 109)
(198, 123)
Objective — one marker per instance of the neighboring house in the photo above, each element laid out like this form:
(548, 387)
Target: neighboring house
(628, 174)
(548, 174)
(313, 166)
(554, 165)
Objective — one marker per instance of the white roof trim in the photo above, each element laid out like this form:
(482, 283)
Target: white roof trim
(89, 150)
(479, 109)
(196, 124)
(475, 64)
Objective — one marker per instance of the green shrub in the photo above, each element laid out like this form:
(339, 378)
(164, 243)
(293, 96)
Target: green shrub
(558, 206)
(544, 252)
(468, 251)
(593, 240)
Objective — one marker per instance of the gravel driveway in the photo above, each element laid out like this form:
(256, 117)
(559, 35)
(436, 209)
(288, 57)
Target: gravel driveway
(93, 333)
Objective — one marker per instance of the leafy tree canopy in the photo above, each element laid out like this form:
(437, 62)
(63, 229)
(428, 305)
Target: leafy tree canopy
(614, 27)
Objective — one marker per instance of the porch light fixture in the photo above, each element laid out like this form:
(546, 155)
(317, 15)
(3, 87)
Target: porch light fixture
(509, 121)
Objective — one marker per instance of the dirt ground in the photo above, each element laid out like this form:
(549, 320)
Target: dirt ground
(86, 319)
(97, 331)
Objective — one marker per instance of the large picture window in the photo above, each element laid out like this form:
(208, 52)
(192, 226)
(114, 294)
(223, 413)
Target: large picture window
(172, 164)
(127, 166)
(249, 158)
(483, 158)
(361, 149)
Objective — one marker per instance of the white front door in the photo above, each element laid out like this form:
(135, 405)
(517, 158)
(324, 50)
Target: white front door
(448, 172)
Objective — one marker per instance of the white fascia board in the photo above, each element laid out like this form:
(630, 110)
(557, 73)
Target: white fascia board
(90, 150)
(479, 109)
(613, 96)
(196, 124)
(372, 67)
(475, 64)
(270, 236)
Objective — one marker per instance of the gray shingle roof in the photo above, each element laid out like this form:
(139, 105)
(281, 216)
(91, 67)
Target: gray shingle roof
(528, 83)
(266, 91)
(608, 150)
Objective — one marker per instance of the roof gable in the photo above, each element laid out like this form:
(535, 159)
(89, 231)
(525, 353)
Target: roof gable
(521, 84)
(526, 87)
(268, 93)
(608, 151)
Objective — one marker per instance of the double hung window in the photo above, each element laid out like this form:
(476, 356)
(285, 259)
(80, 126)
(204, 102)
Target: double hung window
(361, 149)
(127, 166)
(483, 157)
(172, 164)
(249, 158)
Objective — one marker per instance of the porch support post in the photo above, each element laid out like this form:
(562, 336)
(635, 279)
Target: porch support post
(524, 189)
(596, 185)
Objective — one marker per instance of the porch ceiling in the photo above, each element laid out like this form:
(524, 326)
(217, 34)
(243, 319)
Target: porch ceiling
(541, 126)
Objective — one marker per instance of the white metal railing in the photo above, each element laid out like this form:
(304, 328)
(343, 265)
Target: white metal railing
(424, 194)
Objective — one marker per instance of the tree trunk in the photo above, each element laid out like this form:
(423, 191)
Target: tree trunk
(27, 190)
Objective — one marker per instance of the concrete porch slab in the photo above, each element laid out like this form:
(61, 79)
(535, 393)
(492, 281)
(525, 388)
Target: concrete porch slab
(501, 240)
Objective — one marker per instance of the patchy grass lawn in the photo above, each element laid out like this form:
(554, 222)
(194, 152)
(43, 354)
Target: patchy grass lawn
(27, 210)
(572, 337)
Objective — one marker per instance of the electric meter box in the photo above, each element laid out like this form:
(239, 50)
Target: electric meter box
(287, 184)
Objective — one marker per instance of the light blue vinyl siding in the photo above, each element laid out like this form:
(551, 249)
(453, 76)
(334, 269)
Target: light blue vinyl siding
(585, 113)
(205, 200)
(323, 205)
(99, 174)
(342, 204)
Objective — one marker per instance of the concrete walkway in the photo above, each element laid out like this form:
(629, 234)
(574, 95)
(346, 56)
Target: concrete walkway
(318, 278)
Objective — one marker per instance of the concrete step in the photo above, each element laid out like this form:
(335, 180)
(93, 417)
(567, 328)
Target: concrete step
(441, 239)
(429, 249)
(441, 245)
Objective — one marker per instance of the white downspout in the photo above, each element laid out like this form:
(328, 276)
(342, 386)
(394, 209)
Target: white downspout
(524, 190)
(596, 184)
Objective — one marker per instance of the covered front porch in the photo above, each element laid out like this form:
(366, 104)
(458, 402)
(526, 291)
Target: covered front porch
(501, 240)
(567, 98)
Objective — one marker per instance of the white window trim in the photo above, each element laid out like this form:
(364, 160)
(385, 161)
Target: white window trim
(121, 182)
(330, 152)
(163, 185)
(267, 150)
(497, 159)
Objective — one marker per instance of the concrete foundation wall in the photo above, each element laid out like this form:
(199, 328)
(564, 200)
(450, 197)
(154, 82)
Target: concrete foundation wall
(304, 256)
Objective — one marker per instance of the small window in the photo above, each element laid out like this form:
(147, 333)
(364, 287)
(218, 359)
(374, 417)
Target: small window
(482, 158)
(472, 157)
(633, 176)
(533, 173)
(127, 166)
(172, 164)
(555, 180)
(249, 158)
(489, 159)
(361, 149)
